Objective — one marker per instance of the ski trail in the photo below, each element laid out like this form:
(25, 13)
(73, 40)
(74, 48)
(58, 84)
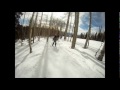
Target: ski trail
(41, 65)
(45, 61)
(48, 61)
(62, 64)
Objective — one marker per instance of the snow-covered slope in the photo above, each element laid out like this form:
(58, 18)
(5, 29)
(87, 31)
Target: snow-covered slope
(47, 61)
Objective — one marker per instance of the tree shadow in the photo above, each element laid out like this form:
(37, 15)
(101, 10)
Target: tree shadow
(34, 44)
(24, 48)
(88, 56)
(22, 61)
(90, 48)
(19, 51)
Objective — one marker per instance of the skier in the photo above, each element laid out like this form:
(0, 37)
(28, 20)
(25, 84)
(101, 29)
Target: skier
(55, 39)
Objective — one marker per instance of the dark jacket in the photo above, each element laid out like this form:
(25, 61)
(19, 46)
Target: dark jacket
(55, 38)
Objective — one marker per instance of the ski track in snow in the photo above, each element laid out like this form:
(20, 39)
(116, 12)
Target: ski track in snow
(50, 61)
(67, 50)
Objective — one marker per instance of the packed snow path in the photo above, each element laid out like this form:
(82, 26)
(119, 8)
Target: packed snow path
(47, 61)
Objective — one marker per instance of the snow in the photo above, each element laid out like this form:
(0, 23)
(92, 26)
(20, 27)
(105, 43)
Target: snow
(47, 61)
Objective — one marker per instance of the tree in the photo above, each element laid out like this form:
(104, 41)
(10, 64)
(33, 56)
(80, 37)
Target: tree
(46, 20)
(75, 30)
(72, 30)
(30, 32)
(49, 27)
(67, 26)
(70, 25)
(92, 37)
(96, 36)
(22, 34)
(40, 27)
(88, 34)
(35, 26)
(102, 37)
(82, 36)
(60, 30)
(57, 24)
(100, 57)
(61, 26)
(99, 36)
(17, 24)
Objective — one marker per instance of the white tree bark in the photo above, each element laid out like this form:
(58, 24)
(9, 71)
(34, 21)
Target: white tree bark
(88, 34)
(67, 26)
(100, 57)
(30, 32)
(75, 30)
(70, 26)
(35, 26)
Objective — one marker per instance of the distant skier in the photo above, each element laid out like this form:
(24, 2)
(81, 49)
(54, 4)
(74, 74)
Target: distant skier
(55, 39)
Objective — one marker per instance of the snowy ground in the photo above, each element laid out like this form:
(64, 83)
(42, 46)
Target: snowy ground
(47, 61)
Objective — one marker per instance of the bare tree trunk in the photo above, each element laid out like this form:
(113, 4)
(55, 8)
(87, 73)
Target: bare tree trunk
(100, 57)
(88, 34)
(60, 34)
(70, 27)
(49, 27)
(46, 26)
(48, 34)
(75, 30)
(72, 30)
(35, 26)
(40, 27)
(30, 32)
(43, 32)
(102, 36)
(46, 21)
(67, 26)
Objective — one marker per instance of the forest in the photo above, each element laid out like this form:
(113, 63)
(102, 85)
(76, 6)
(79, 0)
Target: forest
(34, 32)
